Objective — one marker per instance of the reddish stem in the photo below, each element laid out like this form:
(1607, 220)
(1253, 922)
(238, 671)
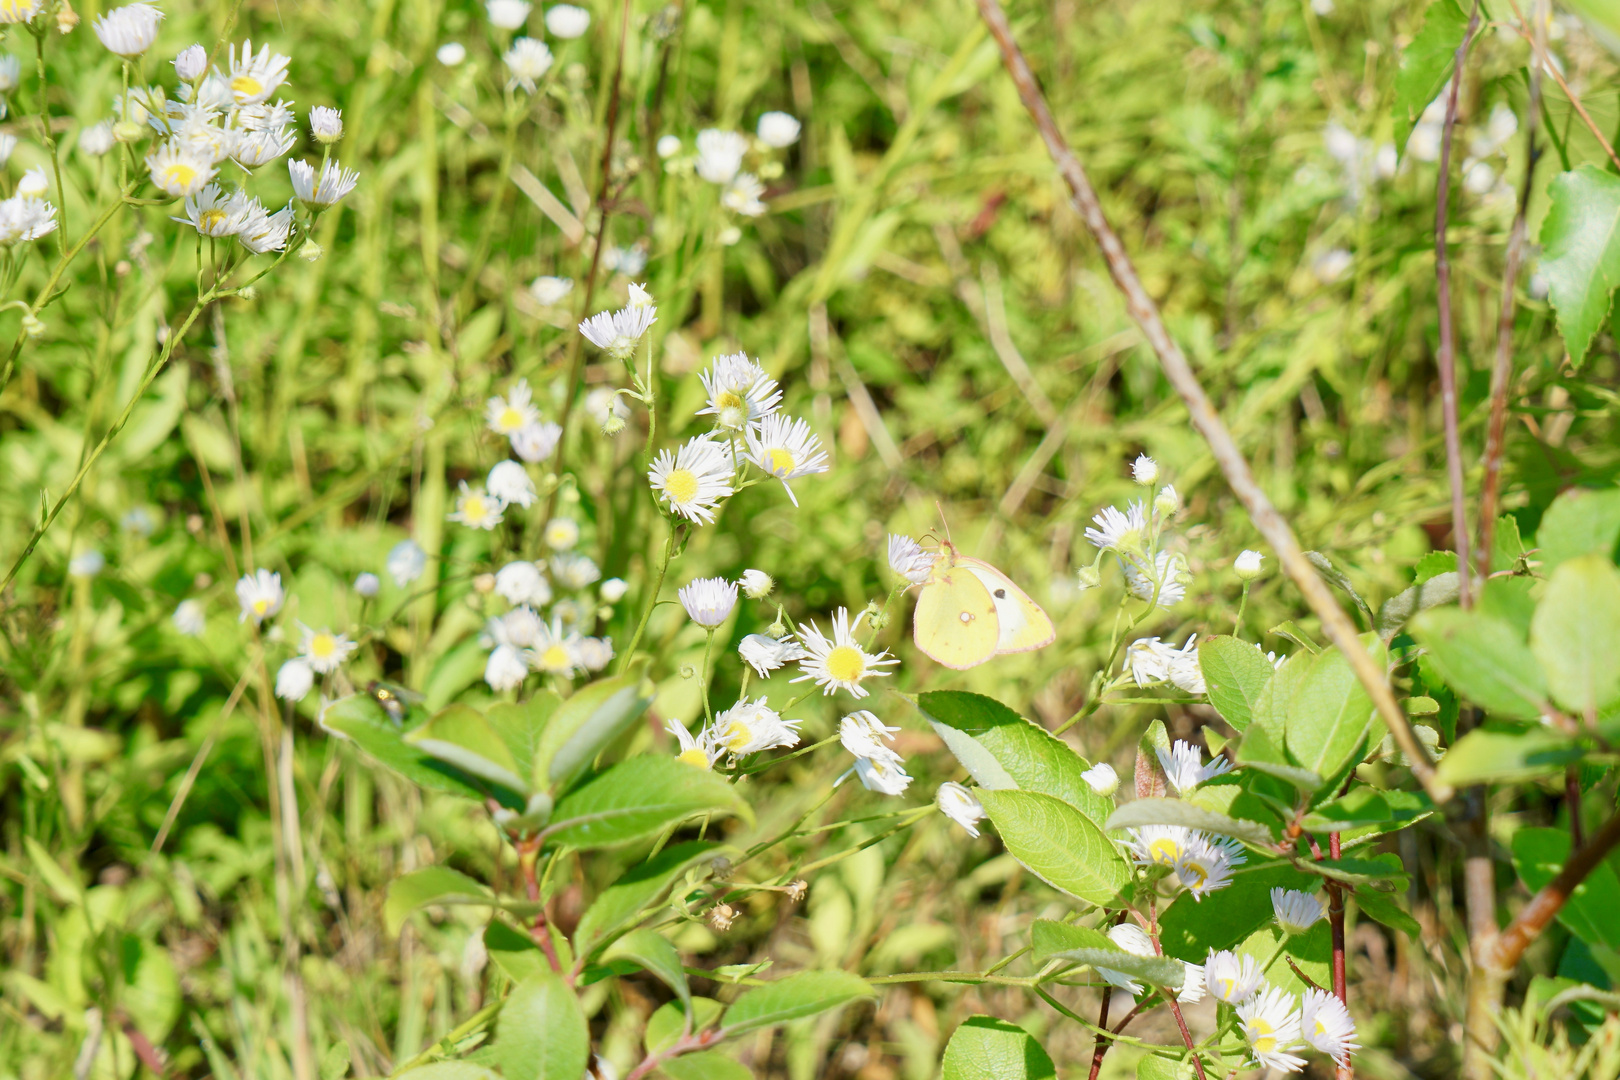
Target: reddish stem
(1336, 921)
(150, 1055)
(528, 858)
(1572, 803)
(1101, 1047)
(1500, 955)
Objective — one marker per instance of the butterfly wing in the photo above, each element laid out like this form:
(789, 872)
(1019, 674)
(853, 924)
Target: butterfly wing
(1022, 625)
(955, 621)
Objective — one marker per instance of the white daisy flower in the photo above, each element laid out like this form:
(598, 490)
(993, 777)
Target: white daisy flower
(864, 735)
(1271, 1024)
(521, 627)
(548, 290)
(566, 22)
(720, 155)
(506, 668)
(1185, 769)
(1144, 470)
(743, 196)
(1326, 1025)
(1159, 845)
(603, 405)
(1184, 672)
(475, 509)
(19, 11)
(252, 149)
(1192, 984)
(264, 232)
(94, 140)
(528, 61)
(595, 653)
(886, 776)
(629, 261)
(128, 31)
(957, 803)
(325, 651)
(756, 584)
(554, 652)
(1168, 569)
(668, 146)
(908, 559)
(190, 62)
(406, 561)
(749, 727)
(212, 213)
(1146, 661)
(521, 582)
(708, 600)
(254, 78)
(1296, 911)
(561, 534)
(325, 189)
(367, 584)
(87, 564)
(260, 595)
(1134, 940)
(692, 480)
(778, 130)
(785, 448)
(451, 53)
(180, 170)
(537, 441)
(1119, 530)
(1247, 565)
(739, 392)
(766, 654)
(508, 14)
(1167, 503)
(1206, 865)
(700, 750)
(34, 183)
(190, 619)
(613, 590)
(326, 124)
(839, 663)
(617, 333)
(23, 219)
(294, 679)
(1102, 778)
(1232, 978)
(572, 570)
(510, 413)
(509, 482)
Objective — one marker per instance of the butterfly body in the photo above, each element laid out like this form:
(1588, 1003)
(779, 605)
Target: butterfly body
(968, 611)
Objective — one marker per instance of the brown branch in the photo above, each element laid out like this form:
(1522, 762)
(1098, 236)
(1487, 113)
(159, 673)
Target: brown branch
(1335, 891)
(1336, 625)
(1446, 358)
(1304, 978)
(1502, 370)
(1572, 803)
(1101, 1047)
(151, 1056)
(528, 857)
(1538, 47)
(1500, 955)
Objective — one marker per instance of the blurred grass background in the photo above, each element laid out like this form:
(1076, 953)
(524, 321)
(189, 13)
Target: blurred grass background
(927, 299)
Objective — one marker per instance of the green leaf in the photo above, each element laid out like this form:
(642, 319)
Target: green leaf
(1383, 872)
(336, 1061)
(1495, 755)
(460, 735)
(1158, 970)
(587, 722)
(707, 1065)
(1485, 660)
(637, 799)
(1060, 845)
(1399, 609)
(1260, 751)
(1388, 910)
(1336, 577)
(432, 885)
(1312, 951)
(1426, 65)
(1330, 714)
(1190, 928)
(1367, 806)
(360, 719)
(513, 951)
(1589, 913)
(1003, 750)
(151, 993)
(1579, 522)
(1152, 1067)
(62, 885)
(542, 1034)
(521, 728)
(804, 994)
(1140, 812)
(1149, 773)
(983, 1046)
(639, 888)
(1047, 937)
(665, 1024)
(653, 952)
(450, 1070)
(1576, 634)
(1235, 674)
(1580, 240)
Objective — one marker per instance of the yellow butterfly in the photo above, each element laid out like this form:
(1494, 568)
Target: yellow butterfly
(968, 611)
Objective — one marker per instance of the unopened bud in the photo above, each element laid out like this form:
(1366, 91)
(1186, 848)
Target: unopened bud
(757, 584)
(484, 583)
(191, 63)
(66, 18)
(31, 324)
(1090, 577)
(248, 292)
(613, 424)
(1167, 502)
(127, 131)
(1144, 470)
(1247, 565)
(795, 890)
(310, 251)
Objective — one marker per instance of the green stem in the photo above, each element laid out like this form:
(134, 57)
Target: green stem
(652, 600)
(708, 646)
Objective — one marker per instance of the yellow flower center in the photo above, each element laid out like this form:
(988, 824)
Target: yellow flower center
(322, 646)
(1164, 851)
(209, 220)
(1321, 1028)
(736, 736)
(694, 756)
(1261, 1035)
(247, 86)
(781, 461)
(17, 10)
(510, 420)
(728, 399)
(1198, 874)
(261, 605)
(846, 664)
(474, 510)
(681, 485)
(555, 658)
(180, 175)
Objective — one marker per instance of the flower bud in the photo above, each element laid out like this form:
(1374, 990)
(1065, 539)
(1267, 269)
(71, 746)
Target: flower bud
(191, 62)
(1167, 502)
(1144, 470)
(1247, 565)
(612, 424)
(31, 324)
(757, 584)
(66, 18)
(484, 583)
(1090, 577)
(310, 251)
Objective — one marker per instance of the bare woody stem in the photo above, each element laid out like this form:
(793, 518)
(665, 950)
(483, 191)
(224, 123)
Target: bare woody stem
(1446, 356)
(528, 857)
(1341, 988)
(1501, 954)
(1101, 1047)
(1336, 625)
(1502, 370)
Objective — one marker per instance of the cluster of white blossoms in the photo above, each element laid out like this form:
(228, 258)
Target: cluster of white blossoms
(261, 597)
(880, 768)
(553, 606)
(514, 415)
(217, 117)
(736, 163)
(26, 215)
(1136, 536)
(1136, 941)
(1202, 863)
(748, 727)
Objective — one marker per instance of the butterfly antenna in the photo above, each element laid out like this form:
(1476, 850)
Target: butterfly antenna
(943, 523)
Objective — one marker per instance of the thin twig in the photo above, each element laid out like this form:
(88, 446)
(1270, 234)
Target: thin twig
(1502, 370)
(1335, 623)
(1538, 46)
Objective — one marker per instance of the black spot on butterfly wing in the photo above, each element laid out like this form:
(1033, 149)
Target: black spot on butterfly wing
(1001, 594)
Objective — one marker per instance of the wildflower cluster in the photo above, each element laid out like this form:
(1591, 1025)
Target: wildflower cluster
(737, 164)
(1136, 537)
